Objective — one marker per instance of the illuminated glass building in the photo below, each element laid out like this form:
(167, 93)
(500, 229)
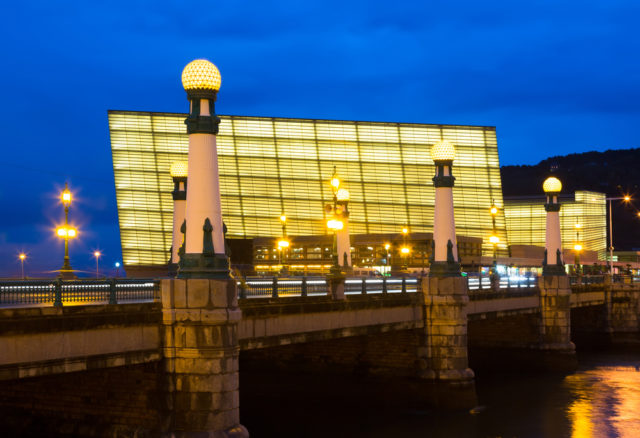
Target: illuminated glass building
(526, 221)
(270, 166)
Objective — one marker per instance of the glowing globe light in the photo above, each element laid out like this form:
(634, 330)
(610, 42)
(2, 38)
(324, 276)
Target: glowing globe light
(494, 210)
(283, 244)
(494, 239)
(283, 218)
(179, 169)
(201, 74)
(335, 224)
(552, 185)
(405, 250)
(335, 182)
(443, 151)
(22, 256)
(577, 247)
(343, 195)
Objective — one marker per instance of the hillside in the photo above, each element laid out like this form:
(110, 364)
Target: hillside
(614, 172)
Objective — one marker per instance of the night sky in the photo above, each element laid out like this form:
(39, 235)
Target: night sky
(553, 77)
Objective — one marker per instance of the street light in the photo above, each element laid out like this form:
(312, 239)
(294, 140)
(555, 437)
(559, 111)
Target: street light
(335, 225)
(577, 247)
(66, 232)
(625, 198)
(405, 253)
(117, 265)
(97, 255)
(22, 257)
(386, 247)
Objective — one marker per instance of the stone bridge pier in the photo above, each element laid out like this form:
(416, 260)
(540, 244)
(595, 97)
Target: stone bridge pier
(558, 352)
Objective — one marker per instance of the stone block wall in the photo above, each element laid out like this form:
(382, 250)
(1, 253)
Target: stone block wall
(114, 402)
(623, 301)
(555, 313)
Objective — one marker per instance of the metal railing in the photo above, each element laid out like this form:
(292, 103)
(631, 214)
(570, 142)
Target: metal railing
(274, 287)
(586, 279)
(484, 287)
(64, 292)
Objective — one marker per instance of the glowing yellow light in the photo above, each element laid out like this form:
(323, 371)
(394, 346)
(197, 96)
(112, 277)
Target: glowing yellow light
(342, 195)
(22, 256)
(387, 246)
(179, 169)
(335, 224)
(494, 239)
(201, 74)
(405, 230)
(443, 151)
(404, 250)
(577, 247)
(283, 218)
(578, 225)
(66, 197)
(97, 254)
(552, 185)
(71, 232)
(283, 244)
(335, 182)
(62, 232)
(627, 198)
(494, 210)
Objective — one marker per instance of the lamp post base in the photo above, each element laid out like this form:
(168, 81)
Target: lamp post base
(203, 266)
(444, 269)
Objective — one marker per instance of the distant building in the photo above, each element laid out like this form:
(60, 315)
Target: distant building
(582, 220)
(270, 166)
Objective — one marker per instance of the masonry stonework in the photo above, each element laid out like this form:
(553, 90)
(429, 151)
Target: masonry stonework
(201, 349)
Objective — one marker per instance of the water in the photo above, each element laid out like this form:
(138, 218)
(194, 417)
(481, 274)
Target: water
(602, 399)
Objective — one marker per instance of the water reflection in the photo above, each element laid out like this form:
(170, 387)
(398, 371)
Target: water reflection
(606, 402)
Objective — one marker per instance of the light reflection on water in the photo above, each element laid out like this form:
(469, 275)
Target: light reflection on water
(600, 400)
(606, 402)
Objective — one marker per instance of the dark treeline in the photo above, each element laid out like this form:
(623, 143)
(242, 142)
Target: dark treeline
(614, 172)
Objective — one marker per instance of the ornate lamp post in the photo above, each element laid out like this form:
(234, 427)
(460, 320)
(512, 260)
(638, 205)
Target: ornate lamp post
(66, 232)
(22, 256)
(386, 247)
(552, 263)
(178, 171)
(444, 258)
(577, 248)
(204, 255)
(335, 225)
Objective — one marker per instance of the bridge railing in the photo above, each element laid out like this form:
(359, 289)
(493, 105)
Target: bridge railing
(484, 287)
(275, 287)
(62, 292)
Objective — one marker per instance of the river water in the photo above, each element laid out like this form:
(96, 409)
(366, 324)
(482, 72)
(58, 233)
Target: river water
(601, 399)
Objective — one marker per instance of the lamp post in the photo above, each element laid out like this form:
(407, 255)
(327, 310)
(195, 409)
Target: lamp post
(97, 255)
(340, 210)
(283, 244)
(494, 239)
(577, 248)
(117, 265)
(444, 258)
(204, 255)
(66, 232)
(386, 247)
(178, 171)
(335, 225)
(625, 198)
(553, 240)
(22, 257)
(405, 249)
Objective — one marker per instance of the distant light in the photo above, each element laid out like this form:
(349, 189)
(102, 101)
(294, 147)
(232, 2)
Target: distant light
(71, 232)
(552, 185)
(335, 224)
(387, 246)
(443, 151)
(22, 256)
(97, 254)
(404, 250)
(117, 264)
(283, 244)
(577, 247)
(494, 210)
(283, 218)
(405, 230)
(179, 169)
(201, 74)
(494, 239)
(65, 196)
(342, 195)
(627, 198)
(335, 182)
(62, 232)
(578, 225)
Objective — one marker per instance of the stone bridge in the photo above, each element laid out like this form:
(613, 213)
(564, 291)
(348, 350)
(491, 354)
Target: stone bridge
(184, 349)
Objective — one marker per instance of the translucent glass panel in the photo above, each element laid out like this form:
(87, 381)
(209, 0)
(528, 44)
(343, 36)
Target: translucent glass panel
(526, 221)
(270, 165)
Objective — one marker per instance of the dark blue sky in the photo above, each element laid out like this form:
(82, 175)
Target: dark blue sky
(553, 77)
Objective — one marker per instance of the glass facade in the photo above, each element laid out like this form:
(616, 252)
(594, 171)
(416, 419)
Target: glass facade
(270, 166)
(526, 221)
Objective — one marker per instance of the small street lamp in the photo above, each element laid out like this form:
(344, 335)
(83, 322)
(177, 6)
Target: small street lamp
(22, 258)
(386, 247)
(335, 225)
(283, 244)
(97, 255)
(405, 253)
(117, 265)
(626, 199)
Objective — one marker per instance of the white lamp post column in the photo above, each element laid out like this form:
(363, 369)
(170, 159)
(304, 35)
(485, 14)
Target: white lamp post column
(444, 256)
(178, 171)
(552, 263)
(204, 255)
